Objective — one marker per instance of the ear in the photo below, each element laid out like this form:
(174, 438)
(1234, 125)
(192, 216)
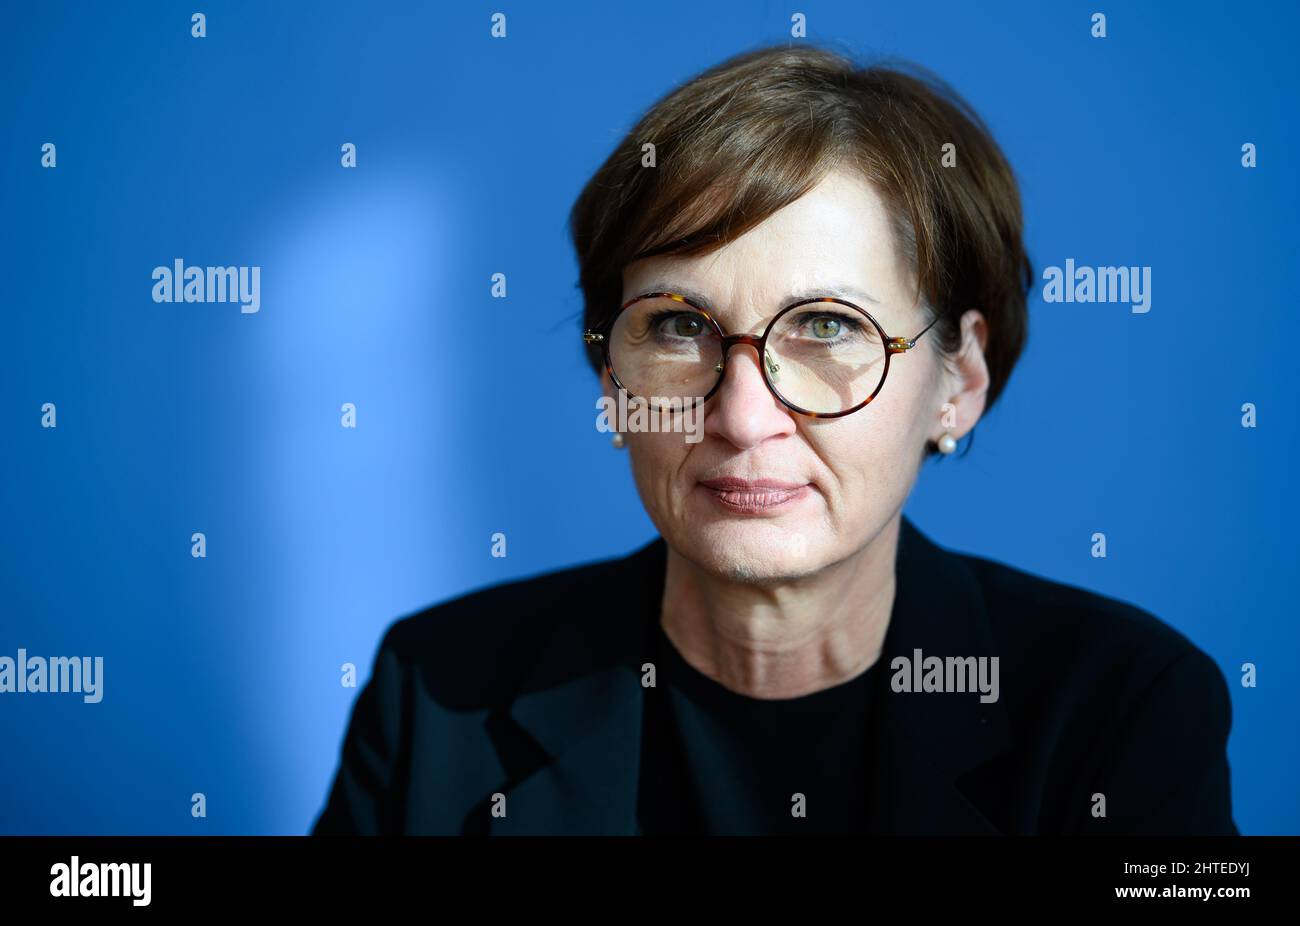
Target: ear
(966, 379)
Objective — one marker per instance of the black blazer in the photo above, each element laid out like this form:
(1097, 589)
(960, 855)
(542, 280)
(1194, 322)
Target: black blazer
(533, 689)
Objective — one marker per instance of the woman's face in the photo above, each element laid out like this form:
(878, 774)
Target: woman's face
(845, 478)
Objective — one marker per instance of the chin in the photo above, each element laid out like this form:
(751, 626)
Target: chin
(754, 552)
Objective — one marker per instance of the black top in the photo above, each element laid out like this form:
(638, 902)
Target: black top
(715, 761)
(520, 709)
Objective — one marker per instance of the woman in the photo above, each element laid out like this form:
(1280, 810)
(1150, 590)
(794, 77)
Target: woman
(824, 264)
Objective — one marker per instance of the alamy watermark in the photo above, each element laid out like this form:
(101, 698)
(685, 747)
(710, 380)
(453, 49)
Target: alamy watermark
(1098, 284)
(921, 673)
(76, 878)
(55, 674)
(657, 414)
(179, 283)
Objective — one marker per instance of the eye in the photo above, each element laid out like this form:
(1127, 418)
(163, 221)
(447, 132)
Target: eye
(686, 325)
(825, 326)
(676, 323)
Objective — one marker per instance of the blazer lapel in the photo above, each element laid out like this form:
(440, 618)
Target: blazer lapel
(924, 742)
(582, 703)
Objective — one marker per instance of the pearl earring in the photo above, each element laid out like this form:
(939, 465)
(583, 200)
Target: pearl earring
(947, 443)
(617, 441)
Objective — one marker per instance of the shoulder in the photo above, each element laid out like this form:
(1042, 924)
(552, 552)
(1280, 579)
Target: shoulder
(436, 677)
(1047, 613)
(484, 639)
(1115, 704)
(1081, 634)
(1065, 652)
(1093, 657)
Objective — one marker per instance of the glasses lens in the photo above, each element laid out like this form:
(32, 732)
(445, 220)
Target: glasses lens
(825, 357)
(665, 351)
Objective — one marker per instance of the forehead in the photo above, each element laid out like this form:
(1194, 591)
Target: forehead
(835, 240)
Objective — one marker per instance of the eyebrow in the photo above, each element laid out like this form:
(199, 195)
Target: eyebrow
(839, 291)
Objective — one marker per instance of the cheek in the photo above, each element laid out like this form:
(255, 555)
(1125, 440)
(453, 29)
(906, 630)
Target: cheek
(873, 449)
(657, 460)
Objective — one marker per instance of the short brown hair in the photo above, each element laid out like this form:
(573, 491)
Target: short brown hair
(753, 134)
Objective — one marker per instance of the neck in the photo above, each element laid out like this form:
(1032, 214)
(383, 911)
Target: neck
(789, 639)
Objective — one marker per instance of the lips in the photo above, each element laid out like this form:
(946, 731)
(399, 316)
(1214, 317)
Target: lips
(752, 496)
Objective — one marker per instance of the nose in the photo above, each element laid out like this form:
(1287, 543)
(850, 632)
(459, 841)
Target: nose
(743, 411)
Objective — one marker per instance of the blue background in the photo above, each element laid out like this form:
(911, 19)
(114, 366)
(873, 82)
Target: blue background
(476, 415)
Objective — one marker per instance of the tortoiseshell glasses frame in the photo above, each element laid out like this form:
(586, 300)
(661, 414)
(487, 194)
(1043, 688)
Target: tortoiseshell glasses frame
(892, 345)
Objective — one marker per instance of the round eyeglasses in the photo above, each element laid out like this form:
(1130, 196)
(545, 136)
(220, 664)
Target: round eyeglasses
(822, 357)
